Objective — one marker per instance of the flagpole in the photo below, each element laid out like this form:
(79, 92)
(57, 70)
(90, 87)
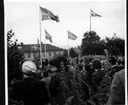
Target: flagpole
(45, 45)
(40, 38)
(68, 46)
(90, 21)
(38, 51)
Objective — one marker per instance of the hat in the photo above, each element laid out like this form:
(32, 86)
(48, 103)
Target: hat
(29, 67)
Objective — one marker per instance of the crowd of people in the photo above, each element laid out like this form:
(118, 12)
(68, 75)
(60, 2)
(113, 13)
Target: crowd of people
(85, 80)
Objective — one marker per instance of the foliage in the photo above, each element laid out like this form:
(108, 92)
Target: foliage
(115, 45)
(90, 37)
(15, 58)
(91, 44)
(73, 90)
(104, 89)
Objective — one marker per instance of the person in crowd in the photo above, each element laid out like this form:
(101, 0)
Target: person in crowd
(38, 74)
(30, 90)
(88, 77)
(113, 67)
(47, 79)
(98, 74)
(56, 80)
(117, 91)
(97, 77)
(63, 84)
(121, 63)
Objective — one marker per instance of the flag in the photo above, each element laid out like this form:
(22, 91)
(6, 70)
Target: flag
(93, 14)
(34, 48)
(48, 15)
(71, 36)
(48, 36)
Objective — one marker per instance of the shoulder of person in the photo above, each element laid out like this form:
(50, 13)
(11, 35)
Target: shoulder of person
(115, 67)
(121, 74)
(18, 82)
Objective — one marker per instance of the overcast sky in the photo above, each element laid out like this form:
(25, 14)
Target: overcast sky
(23, 18)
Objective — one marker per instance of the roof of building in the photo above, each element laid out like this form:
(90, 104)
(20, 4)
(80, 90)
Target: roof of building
(34, 47)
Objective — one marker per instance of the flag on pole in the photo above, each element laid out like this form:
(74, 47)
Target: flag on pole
(34, 48)
(48, 15)
(48, 36)
(93, 14)
(71, 36)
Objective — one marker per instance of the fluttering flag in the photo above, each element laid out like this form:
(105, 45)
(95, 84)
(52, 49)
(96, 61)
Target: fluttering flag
(48, 15)
(93, 14)
(48, 36)
(34, 48)
(71, 36)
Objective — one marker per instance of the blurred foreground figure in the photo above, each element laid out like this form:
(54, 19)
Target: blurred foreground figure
(98, 75)
(29, 90)
(117, 92)
(67, 86)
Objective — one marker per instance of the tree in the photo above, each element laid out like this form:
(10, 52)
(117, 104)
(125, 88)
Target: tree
(115, 45)
(90, 43)
(90, 37)
(15, 58)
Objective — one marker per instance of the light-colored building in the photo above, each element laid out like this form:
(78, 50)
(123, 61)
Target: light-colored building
(32, 51)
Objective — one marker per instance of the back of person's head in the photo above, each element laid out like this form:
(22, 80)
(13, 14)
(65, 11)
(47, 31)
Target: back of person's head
(29, 68)
(112, 60)
(57, 61)
(96, 64)
(46, 62)
(45, 74)
(87, 67)
(67, 67)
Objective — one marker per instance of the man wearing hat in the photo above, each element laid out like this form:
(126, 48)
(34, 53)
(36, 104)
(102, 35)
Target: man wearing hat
(29, 90)
(98, 74)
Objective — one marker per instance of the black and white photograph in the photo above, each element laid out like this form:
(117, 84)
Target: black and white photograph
(65, 52)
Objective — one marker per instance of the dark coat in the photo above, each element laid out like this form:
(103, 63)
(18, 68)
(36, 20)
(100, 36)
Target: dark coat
(97, 78)
(30, 91)
(117, 92)
(58, 85)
